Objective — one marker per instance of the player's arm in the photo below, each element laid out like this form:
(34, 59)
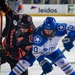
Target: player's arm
(5, 8)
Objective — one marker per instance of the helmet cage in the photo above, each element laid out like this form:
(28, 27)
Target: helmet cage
(22, 25)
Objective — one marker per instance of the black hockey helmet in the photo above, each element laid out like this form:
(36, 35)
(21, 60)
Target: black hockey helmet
(25, 21)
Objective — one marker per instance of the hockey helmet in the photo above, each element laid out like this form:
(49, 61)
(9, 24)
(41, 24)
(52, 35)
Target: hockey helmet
(49, 23)
(25, 21)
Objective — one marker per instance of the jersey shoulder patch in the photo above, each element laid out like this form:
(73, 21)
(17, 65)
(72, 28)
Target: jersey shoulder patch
(39, 39)
(61, 29)
(61, 26)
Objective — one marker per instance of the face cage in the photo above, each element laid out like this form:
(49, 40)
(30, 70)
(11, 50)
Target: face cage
(51, 35)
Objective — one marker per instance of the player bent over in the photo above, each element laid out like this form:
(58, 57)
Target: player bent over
(19, 42)
(45, 45)
(15, 33)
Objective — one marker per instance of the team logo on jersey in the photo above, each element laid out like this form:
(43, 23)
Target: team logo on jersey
(37, 39)
(15, 22)
(61, 27)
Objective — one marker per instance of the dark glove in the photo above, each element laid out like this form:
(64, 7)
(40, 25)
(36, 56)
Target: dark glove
(46, 66)
(67, 43)
(3, 52)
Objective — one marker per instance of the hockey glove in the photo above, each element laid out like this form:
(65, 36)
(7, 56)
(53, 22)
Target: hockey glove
(3, 52)
(46, 66)
(67, 43)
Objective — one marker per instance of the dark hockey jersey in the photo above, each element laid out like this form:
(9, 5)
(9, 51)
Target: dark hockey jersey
(19, 45)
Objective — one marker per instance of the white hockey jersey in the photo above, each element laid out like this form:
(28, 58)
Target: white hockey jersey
(43, 45)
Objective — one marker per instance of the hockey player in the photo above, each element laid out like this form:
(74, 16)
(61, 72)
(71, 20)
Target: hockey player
(19, 42)
(46, 41)
(10, 33)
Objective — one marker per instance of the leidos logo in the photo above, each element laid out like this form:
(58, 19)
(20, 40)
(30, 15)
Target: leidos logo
(47, 10)
(44, 10)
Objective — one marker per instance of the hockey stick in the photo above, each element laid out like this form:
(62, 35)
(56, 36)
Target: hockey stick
(56, 59)
(58, 56)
